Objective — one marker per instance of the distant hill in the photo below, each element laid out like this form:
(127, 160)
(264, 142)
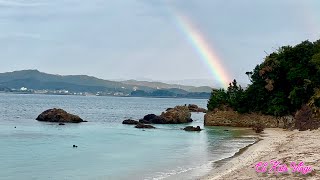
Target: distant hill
(36, 80)
(161, 85)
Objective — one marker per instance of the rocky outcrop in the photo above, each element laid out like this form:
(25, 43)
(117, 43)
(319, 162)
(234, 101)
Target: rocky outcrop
(195, 108)
(306, 119)
(191, 128)
(130, 122)
(144, 126)
(235, 119)
(59, 116)
(177, 115)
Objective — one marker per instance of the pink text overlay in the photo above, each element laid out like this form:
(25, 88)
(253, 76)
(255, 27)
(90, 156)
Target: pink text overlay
(276, 167)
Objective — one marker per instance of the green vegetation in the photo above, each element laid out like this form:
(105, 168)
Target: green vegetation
(287, 79)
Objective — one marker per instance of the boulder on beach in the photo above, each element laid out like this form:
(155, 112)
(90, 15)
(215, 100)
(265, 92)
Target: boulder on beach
(144, 126)
(130, 122)
(195, 108)
(191, 128)
(59, 116)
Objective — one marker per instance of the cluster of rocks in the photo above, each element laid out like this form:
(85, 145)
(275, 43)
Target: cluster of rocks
(59, 116)
(138, 124)
(176, 115)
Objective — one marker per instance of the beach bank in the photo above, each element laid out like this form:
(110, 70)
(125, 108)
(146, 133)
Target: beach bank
(275, 144)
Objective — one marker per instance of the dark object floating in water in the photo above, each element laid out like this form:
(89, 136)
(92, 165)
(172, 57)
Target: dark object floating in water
(75, 146)
(130, 122)
(226, 130)
(15, 127)
(144, 126)
(61, 124)
(191, 128)
(59, 115)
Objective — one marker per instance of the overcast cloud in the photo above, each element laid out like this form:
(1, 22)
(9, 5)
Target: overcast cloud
(128, 39)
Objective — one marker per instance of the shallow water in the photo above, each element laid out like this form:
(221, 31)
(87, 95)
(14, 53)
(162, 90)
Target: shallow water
(106, 148)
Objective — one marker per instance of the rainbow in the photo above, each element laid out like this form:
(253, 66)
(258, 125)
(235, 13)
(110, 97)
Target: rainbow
(207, 54)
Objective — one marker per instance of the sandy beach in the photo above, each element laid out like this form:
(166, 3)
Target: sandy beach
(275, 144)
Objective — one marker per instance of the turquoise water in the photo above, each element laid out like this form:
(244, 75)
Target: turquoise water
(106, 148)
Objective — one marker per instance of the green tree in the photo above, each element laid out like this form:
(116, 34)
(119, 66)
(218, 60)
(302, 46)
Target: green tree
(218, 98)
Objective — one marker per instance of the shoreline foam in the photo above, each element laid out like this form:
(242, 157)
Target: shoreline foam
(275, 144)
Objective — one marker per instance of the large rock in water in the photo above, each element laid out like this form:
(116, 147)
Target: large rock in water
(59, 116)
(177, 115)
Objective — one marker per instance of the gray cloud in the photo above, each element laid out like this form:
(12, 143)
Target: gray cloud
(139, 38)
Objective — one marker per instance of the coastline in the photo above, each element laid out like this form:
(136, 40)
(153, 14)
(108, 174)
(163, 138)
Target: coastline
(274, 144)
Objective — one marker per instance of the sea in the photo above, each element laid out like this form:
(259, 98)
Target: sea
(107, 149)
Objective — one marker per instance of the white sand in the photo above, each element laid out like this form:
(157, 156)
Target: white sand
(276, 144)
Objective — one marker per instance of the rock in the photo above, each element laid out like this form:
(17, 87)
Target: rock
(153, 119)
(195, 108)
(191, 128)
(144, 126)
(176, 115)
(159, 120)
(235, 119)
(61, 124)
(179, 114)
(258, 128)
(149, 117)
(143, 121)
(130, 122)
(58, 115)
(305, 120)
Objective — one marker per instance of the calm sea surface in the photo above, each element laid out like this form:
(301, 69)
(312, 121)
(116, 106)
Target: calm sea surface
(106, 148)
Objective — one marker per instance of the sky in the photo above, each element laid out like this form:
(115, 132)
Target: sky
(141, 39)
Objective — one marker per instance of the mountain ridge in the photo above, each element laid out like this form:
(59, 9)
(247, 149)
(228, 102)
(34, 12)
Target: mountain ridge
(35, 79)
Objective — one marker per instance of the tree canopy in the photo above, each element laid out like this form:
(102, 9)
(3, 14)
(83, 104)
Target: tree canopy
(280, 85)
